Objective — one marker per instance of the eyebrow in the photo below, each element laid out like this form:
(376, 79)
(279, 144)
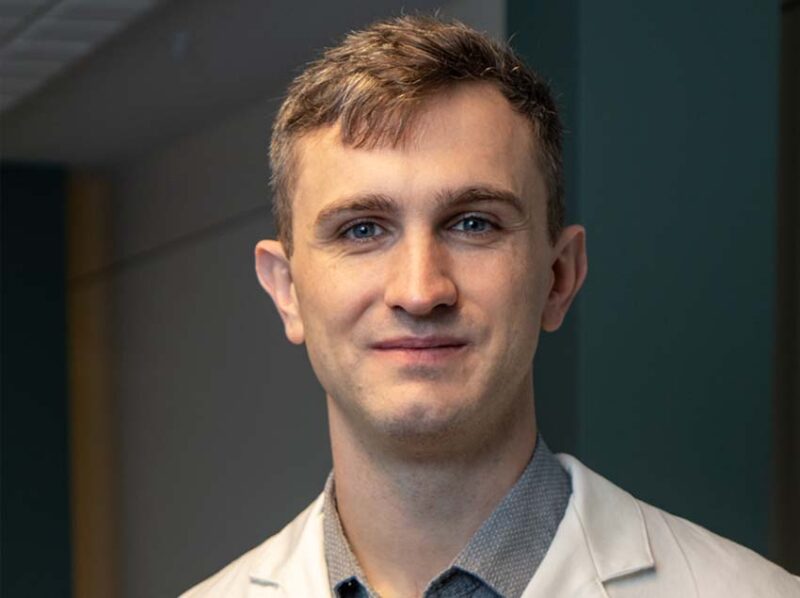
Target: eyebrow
(479, 193)
(371, 202)
(449, 198)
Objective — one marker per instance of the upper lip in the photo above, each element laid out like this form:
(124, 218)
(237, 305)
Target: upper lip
(419, 342)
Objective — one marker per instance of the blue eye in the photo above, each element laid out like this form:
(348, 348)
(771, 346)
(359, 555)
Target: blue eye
(363, 231)
(473, 224)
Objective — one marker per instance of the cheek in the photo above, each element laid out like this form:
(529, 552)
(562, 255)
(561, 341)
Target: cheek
(516, 282)
(520, 288)
(525, 316)
(332, 299)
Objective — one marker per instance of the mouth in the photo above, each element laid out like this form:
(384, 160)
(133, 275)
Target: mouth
(419, 343)
(421, 349)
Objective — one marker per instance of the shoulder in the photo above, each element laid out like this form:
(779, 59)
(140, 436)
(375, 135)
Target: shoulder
(717, 566)
(258, 564)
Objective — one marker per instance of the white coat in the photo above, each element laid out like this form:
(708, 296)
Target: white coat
(608, 545)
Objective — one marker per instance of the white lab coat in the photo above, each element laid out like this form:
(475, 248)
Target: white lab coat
(608, 545)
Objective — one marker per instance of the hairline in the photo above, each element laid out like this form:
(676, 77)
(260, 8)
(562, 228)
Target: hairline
(291, 164)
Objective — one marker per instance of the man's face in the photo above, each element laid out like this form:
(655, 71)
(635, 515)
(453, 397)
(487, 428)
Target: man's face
(421, 274)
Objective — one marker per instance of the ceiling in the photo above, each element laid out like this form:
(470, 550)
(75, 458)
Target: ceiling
(41, 38)
(184, 66)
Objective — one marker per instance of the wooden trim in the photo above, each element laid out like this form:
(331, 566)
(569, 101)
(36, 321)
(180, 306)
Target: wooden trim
(95, 505)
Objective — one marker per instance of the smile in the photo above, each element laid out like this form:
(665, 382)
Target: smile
(421, 350)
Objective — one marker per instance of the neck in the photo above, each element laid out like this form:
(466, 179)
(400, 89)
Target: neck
(408, 517)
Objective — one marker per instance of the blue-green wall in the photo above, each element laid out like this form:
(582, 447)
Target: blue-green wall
(663, 381)
(34, 464)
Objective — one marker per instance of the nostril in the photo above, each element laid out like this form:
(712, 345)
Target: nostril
(422, 299)
(420, 280)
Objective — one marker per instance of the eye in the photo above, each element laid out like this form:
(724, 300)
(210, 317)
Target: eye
(473, 224)
(363, 231)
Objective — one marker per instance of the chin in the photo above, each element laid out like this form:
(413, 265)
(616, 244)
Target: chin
(422, 422)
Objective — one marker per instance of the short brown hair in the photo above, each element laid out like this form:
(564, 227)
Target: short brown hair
(375, 81)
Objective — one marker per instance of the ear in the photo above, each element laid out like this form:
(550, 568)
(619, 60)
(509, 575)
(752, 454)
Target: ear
(274, 274)
(569, 268)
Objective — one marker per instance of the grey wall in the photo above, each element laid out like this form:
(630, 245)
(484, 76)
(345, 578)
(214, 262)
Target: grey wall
(221, 423)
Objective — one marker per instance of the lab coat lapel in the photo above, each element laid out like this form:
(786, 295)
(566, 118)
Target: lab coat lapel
(295, 564)
(602, 537)
(567, 570)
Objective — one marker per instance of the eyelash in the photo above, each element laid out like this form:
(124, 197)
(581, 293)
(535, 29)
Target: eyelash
(490, 226)
(345, 232)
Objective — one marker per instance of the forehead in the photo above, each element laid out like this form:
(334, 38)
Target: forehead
(465, 135)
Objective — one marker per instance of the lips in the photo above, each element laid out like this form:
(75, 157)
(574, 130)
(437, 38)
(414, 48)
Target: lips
(417, 352)
(419, 343)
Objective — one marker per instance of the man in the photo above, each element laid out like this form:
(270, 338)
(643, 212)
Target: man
(417, 180)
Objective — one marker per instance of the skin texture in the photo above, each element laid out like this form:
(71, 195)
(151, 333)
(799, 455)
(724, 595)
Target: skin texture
(420, 280)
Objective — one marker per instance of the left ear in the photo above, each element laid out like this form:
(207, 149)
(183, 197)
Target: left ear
(569, 268)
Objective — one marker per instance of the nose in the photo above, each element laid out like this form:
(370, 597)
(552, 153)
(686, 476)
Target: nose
(419, 279)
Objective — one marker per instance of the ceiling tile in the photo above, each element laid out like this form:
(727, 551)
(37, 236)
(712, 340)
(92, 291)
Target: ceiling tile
(39, 38)
(70, 30)
(103, 10)
(19, 10)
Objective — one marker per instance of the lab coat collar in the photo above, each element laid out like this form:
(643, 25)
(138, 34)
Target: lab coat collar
(602, 537)
(293, 562)
(612, 521)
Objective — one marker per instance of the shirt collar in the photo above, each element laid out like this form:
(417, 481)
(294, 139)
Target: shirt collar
(508, 547)
(343, 567)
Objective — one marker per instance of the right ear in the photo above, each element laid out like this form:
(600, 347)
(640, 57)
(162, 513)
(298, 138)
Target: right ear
(274, 274)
